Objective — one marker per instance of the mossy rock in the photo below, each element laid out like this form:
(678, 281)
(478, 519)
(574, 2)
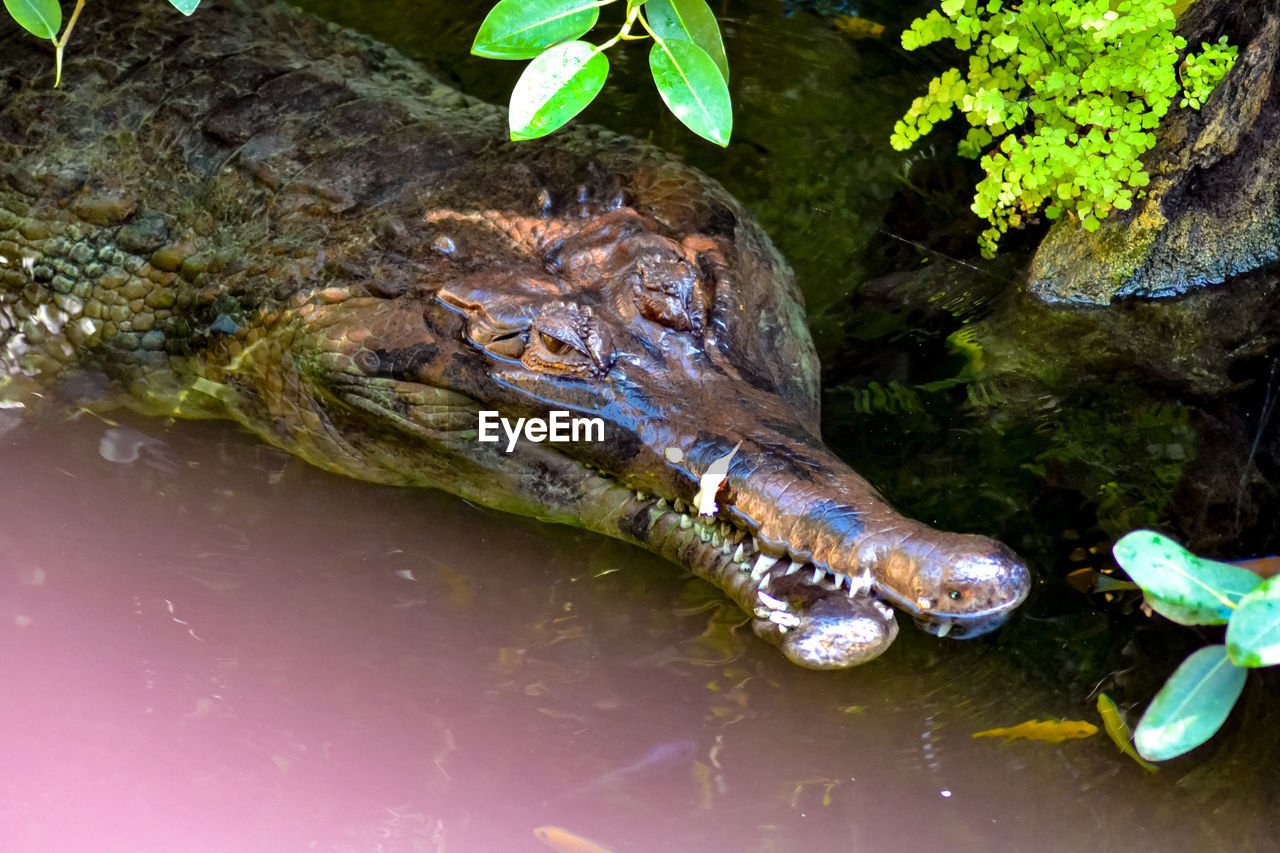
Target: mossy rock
(1212, 210)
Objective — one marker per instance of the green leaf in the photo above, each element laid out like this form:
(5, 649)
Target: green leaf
(1007, 42)
(521, 29)
(1253, 634)
(691, 20)
(555, 87)
(693, 88)
(1191, 706)
(186, 7)
(1177, 583)
(41, 18)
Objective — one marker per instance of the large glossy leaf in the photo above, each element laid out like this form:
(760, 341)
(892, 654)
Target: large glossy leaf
(42, 18)
(690, 20)
(1253, 634)
(522, 29)
(1180, 585)
(186, 7)
(555, 87)
(1191, 706)
(693, 88)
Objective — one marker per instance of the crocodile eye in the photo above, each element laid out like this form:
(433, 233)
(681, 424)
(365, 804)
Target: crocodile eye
(555, 346)
(956, 595)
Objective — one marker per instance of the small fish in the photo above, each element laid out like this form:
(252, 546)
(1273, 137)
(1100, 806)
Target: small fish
(1049, 731)
(1092, 580)
(859, 28)
(654, 760)
(1119, 732)
(659, 757)
(565, 841)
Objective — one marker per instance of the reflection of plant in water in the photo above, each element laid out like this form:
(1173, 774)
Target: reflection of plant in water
(1129, 466)
(827, 785)
(1191, 590)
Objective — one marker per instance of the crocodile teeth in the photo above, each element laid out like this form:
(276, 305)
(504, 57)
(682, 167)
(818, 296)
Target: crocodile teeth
(944, 630)
(716, 540)
(737, 554)
(817, 575)
(726, 548)
(859, 585)
(662, 503)
(784, 619)
(704, 533)
(769, 601)
(680, 506)
(685, 522)
(763, 564)
(792, 568)
(641, 496)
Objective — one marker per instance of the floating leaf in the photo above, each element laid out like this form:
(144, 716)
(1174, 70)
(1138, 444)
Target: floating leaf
(555, 87)
(1118, 730)
(1050, 731)
(41, 18)
(186, 7)
(693, 88)
(1253, 634)
(1191, 706)
(1177, 583)
(691, 20)
(522, 29)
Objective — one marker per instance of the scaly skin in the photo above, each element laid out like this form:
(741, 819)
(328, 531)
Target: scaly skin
(250, 214)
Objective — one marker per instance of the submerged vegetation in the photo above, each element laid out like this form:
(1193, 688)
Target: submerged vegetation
(1063, 97)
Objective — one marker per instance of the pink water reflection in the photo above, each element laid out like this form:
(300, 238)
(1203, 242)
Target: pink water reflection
(216, 648)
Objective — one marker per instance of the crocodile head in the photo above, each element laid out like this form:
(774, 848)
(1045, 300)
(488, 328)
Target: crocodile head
(683, 335)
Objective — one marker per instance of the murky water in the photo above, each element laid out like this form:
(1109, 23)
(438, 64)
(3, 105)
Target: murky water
(210, 646)
(217, 648)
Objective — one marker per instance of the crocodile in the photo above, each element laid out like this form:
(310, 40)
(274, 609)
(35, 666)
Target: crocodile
(256, 215)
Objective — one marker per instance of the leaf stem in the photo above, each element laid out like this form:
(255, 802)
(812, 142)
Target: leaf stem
(60, 43)
(625, 33)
